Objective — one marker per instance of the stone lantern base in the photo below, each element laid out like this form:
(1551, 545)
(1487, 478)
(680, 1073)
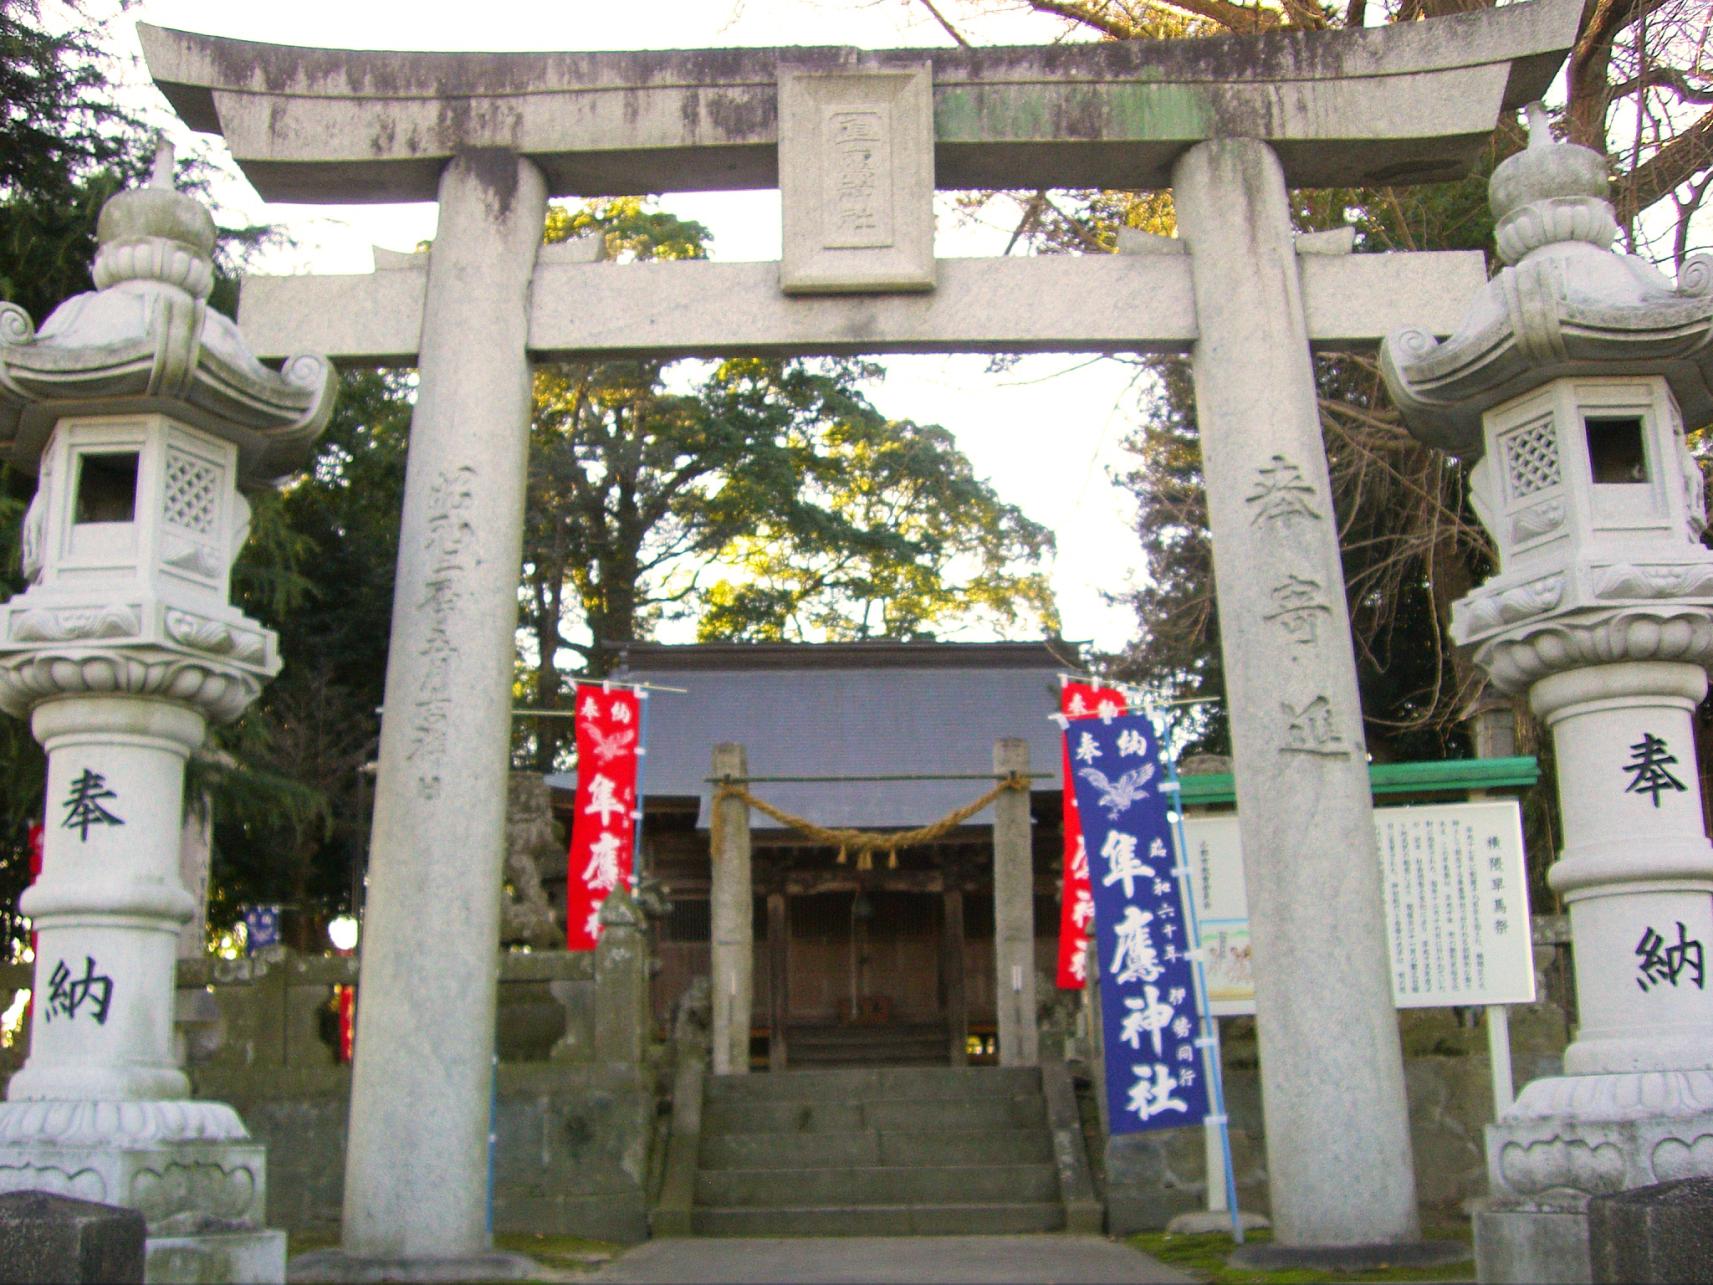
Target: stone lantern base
(1569, 1138)
(190, 1168)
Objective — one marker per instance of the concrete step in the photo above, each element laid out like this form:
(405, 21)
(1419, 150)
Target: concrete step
(865, 1034)
(868, 1046)
(878, 1185)
(858, 1083)
(883, 1114)
(880, 1220)
(892, 1055)
(871, 1147)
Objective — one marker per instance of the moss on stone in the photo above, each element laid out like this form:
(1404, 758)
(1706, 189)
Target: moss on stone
(1203, 1257)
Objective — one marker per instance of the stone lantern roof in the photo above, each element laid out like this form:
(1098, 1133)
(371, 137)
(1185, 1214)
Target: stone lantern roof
(145, 340)
(1565, 305)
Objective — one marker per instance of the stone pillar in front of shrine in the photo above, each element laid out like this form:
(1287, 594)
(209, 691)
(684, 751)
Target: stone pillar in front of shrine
(142, 412)
(1570, 383)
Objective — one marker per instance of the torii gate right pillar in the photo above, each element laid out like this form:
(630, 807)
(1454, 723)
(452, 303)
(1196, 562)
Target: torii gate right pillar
(1332, 1076)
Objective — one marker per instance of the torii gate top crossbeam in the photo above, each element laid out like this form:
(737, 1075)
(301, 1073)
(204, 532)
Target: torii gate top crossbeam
(1399, 104)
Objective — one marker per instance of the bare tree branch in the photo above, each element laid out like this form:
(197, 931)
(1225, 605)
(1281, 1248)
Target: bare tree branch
(940, 18)
(1677, 162)
(1656, 77)
(1085, 15)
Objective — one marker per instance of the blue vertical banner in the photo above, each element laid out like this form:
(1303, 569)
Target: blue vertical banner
(1150, 1020)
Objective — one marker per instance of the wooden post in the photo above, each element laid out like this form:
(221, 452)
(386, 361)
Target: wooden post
(1014, 911)
(778, 993)
(952, 975)
(732, 912)
(1096, 1036)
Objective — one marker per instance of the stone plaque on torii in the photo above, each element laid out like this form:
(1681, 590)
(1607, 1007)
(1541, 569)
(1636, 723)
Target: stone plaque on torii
(858, 141)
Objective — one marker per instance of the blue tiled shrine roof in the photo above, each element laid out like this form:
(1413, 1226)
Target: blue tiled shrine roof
(857, 709)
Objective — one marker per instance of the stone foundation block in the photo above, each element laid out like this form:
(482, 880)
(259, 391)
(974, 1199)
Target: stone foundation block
(1518, 1246)
(1653, 1234)
(217, 1257)
(48, 1237)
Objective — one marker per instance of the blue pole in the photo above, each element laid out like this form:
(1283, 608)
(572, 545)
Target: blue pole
(641, 772)
(493, 1137)
(1209, 1041)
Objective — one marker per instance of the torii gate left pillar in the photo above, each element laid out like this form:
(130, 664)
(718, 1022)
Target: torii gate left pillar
(1407, 103)
(411, 1193)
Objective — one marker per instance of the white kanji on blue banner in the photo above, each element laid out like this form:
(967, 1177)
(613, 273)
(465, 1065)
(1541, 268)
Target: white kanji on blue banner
(1149, 1017)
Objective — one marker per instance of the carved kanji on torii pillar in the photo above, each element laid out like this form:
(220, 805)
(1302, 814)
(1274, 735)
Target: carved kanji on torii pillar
(858, 142)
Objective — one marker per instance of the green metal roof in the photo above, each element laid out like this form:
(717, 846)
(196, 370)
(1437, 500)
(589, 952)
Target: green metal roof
(1453, 775)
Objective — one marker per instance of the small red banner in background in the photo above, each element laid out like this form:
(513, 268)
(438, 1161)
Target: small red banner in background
(1076, 912)
(35, 840)
(603, 827)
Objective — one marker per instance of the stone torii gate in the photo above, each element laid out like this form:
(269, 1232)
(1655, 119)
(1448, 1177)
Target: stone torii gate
(858, 142)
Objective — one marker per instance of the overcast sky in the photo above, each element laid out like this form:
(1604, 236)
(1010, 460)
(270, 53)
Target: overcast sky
(1043, 437)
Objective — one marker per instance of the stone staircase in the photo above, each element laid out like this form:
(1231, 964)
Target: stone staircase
(876, 1152)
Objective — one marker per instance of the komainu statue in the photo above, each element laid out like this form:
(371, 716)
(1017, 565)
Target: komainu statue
(533, 842)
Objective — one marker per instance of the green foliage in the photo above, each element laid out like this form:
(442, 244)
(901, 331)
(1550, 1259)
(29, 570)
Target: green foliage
(286, 780)
(1176, 653)
(64, 149)
(888, 534)
(21, 759)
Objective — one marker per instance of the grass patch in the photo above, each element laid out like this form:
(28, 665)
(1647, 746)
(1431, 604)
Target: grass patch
(565, 1253)
(1203, 1257)
(307, 1242)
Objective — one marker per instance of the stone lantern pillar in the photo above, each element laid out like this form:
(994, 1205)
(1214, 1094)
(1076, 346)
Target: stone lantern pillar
(1570, 381)
(142, 413)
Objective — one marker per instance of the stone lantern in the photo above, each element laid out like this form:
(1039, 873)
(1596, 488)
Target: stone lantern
(1569, 382)
(143, 413)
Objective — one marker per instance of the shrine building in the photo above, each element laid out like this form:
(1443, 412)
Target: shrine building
(857, 960)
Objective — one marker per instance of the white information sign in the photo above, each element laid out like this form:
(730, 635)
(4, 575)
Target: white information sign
(1456, 905)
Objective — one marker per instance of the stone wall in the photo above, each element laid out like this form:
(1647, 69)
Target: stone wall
(575, 1136)
(572, 1157)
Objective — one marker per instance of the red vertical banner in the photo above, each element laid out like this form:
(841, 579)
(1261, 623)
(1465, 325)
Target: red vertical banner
(1076, 911)
(603, 827)
(35, 840)
(346, 999)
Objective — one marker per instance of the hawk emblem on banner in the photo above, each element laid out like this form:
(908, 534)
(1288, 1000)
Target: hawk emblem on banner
(1118, 796)
(607, 747)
